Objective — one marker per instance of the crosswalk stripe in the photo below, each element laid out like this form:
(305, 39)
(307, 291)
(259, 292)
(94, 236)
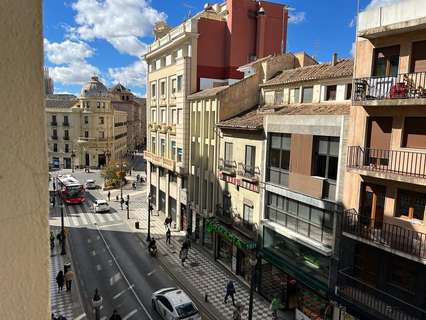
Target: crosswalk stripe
(99, 217)
(91, 217)
(83, 218)
(109, 217)
(67, 219)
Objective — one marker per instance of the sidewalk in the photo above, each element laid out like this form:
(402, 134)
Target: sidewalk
(63, 303)
(201, 274)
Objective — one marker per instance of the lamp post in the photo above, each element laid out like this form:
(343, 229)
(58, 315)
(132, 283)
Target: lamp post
(63, 248)
(253, 263)
(72, 159)
(148, 237)
(97, 303)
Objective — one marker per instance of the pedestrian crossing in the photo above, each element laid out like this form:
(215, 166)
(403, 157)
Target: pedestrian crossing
(83, 215)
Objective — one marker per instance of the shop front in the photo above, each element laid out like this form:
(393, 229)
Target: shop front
(295, 274)
(233, 250)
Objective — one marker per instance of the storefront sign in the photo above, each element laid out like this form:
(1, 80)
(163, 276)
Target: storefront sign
(214, 227)
(301, 316)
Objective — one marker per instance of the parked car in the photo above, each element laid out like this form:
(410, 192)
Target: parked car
(90, 184)
(174, 304)
(100, 206)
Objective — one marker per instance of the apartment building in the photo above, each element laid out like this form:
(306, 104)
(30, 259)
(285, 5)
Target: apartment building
(306, 118)
(123, 99)
(383, 256)
(203, 52)
(86, 131)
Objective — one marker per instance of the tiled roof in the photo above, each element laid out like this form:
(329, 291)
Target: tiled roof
(253, 118)
(207, 93)
(61, 101)
(343, 68)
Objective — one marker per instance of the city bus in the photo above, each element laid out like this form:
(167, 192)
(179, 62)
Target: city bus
(70, 189)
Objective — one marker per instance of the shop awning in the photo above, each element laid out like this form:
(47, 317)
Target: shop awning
(213, 226)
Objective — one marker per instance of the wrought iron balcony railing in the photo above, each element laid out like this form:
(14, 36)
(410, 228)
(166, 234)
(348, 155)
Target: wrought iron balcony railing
(393, 161)
(400, 86)
(66, 137)
(228, 166)
(55, 137)
(66, 124)
(385, 234)
(228, 217)
(251, 173)
(53, 123)
(375, 300)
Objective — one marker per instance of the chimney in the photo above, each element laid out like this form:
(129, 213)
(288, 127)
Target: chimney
(334, 59)
(260, 33)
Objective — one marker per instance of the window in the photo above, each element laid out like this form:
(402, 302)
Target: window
(414, 134)
(103, 105)
(66, 134)
(173, 150)
(153, 90)
(55, 132)
(248, 213)
(153, 144)
(67, 148)
(250, 157)
(331, 93)
(179, 116)
(402, 274)
(86, 134)
(163, 115)
(66, 120)
(86, 119)
(310, 221)
(55, 147)
(174, 86)
(98, 104)
(53, 119)
(279, 158)
(101, 135)
(179, 154)
(279, 97)
(161, 171)
(101, 120)
(269, 97)
(386, 61)
(179, 83)
(153, 115)
(348, 95)
(172, 177)
(87, 104)
(228, 152)
(326, 157)
(173, 116)
(307, 94)
(411, 204)
(295, 95)
(227, 204)
(162, 88)
(162, 147)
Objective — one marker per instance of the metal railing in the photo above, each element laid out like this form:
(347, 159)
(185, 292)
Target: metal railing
(55, 137)
(400, 86)
(66, 137)
(228, 217)
(227, 165)
(374, 299)
(249, 172)
(65, 124)
(385, 234)
(53, 123)
(393, 161)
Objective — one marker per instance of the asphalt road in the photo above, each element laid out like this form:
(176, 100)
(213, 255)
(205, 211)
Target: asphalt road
(111, 258)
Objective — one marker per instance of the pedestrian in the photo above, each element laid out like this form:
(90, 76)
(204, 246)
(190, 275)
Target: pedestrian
(53, 317)
(168, 236)
(69, 276)
(59, 237)
(60, 280)
(137, 177)
(170, 222)
(275, 306)
(109, 196)
(121, 203)
(236, 315)
(230, 291)
(52, 240)
(166, 222)
(183, 254)
(115, 316)
(128, 197)
(116, 197)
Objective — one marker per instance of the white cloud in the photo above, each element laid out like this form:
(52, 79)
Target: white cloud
(351, 23)
(120, 22)
(381, 3)
(353, 48)
(132, 75)
(295, 17)
(67, 51)
(73, 73)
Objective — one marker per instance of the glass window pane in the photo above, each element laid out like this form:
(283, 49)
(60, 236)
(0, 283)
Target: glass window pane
(332, 168)
(281, 217)
(292, 206)
(274, 176)
(275, 158)
(315, 233)
(285, 160)
(320, 166)
(322, 145)
(316, 216)
(303, 211)
(275, 141)
(303, 228)
(286, 142)
(328, 220)
(334, 147)
(307, 94)
(291, 223)
(280, 204)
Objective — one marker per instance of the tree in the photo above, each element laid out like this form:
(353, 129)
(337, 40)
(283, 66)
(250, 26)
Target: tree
(112, 173)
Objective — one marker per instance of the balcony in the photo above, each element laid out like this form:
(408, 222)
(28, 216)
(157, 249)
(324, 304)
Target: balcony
(224, 215)
(402, 89)
(65, 124)
(66, 137)
(373, 300)
(227, 166)
(388, 164)
(171, 129)
(54, 137)
(385, 235)
(228, 217)
(53, 123)
(152, 126)
(248, 173)
(159, 160)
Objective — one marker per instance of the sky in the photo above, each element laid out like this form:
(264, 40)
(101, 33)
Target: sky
(108, 37)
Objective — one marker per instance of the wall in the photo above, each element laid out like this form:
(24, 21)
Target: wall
(24, 241)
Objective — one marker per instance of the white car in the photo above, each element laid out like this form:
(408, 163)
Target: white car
(100, 206)
(174, 304)
(90, 184)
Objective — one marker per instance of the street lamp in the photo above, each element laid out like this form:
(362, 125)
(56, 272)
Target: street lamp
(253, 262)
(72, 159)
(148, 237)
(63, 248)
(97, 303)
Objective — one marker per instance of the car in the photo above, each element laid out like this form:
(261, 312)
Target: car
(100, 206)
(174, 304)
(90, 184)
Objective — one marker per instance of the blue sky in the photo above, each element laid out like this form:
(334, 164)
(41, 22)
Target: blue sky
(107, 37)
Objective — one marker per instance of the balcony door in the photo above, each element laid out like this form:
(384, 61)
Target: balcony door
(386, 61)
(373, 204)
(379, 133)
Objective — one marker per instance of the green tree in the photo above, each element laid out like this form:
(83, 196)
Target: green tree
(112, 173)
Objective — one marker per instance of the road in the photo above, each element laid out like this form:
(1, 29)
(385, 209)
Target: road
(109, 257)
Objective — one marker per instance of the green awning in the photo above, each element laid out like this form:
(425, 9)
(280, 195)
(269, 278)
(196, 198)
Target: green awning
(213, 226)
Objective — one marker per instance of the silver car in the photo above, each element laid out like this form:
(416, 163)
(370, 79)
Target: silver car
(174, 304)
(100, 206)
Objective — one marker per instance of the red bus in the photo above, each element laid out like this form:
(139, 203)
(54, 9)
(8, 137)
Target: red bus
(70, 189)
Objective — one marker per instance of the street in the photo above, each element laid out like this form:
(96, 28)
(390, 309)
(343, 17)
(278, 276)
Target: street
(107, 256)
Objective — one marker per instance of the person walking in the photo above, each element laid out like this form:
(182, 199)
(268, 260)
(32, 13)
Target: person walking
(170, 222)
(115, 316)
(109, 196)
(236, 315)
(168, 236)
(183, 254)
(59, 237)
(166, 222)
(60, 280)
(52, 240)
(121, 203)
(230, 291)
(69, 276)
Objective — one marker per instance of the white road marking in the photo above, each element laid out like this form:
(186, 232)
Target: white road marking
(111, 225)
(91, 218)
(150, 273)
(82, 217)
(124, 276)
(93, 253)
(121, 292)
(109, 217)
(100, 218)
(75, 220)
(81, 316)
(89, 241)
(98, 267)
(131, 313)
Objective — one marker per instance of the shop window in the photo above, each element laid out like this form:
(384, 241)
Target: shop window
(410, 204)
(414, 134)
(307, 94)
(279, 158)
(331, 93)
